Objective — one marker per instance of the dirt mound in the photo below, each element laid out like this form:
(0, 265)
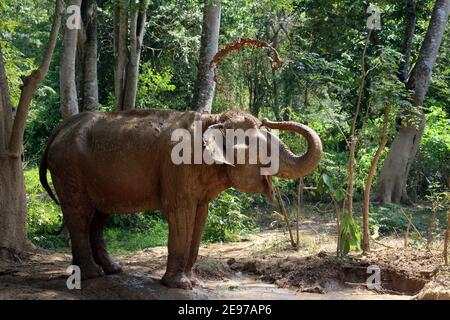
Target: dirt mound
(400, 272)
(304, 273)
(438, 288)
(212, 268)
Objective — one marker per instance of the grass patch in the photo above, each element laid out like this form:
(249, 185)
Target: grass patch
(121, 241)
(44, 216)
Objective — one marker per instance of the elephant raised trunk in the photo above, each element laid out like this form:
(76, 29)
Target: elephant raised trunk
(291, 165)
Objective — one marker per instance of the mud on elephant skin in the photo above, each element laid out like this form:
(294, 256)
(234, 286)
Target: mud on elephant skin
(120, 162)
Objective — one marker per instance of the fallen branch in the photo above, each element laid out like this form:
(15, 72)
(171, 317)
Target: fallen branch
(382, 244)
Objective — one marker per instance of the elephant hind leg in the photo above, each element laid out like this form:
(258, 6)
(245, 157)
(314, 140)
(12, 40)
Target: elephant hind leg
(77, 220)
(98, 244)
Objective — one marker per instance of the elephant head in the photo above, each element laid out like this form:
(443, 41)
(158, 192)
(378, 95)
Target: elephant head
(247, 177)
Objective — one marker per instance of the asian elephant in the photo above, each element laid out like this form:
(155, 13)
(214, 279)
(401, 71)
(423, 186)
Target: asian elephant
(120, 162)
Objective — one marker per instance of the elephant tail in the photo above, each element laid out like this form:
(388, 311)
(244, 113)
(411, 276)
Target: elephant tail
(44, 165)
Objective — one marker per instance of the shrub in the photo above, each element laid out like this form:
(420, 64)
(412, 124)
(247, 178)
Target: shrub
(226, 220)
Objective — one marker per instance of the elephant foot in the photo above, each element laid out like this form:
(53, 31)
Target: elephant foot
(111, 267)
(108, 265)
(177, 280)
(90, 271)
(194, 280)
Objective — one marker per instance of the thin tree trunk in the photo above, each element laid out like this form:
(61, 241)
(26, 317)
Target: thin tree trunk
(205, 85)
(126, 68)
(137, 30)
(13, 208)
(89, 82)
(275, 89)
(408, 228)
(120, 50)
(5, 107)
(394, 173)
(67, 79)
(447, 238)
(352, 144)
(372, 170)
(300, 187)
(410, 26)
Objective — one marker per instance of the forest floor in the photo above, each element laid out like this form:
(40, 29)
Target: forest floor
(263, 267)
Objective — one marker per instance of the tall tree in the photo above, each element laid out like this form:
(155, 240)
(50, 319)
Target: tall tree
(209, 43)
(67, 77)
(411, 19)
(129, 29)
(13, 208)
(394, 173)
(87, 57)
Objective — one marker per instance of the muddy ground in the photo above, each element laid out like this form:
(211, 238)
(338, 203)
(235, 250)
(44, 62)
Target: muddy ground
(263, 267)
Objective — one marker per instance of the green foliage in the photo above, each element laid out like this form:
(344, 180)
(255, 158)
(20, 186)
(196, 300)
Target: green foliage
(392, 219)
(226, 219)
(433, 159)
(320, 43)
(122, 240)
(44, 116)
(44, 216)
(338, 193)
(137, 221)
(350, 237)
(151, 85)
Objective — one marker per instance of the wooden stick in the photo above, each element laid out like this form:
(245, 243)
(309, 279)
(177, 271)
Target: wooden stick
(407, 231)
(415, 229)
(382, 244)
(447, 239)
(286, 218)
(447, 230)
(299, 204)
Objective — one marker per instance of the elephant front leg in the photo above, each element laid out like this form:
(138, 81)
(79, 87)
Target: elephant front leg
(181, 226)
(200, 220)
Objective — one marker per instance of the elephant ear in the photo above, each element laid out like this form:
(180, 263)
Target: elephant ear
(213, 140)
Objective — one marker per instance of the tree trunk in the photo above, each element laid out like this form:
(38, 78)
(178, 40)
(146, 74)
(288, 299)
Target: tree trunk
(446, 238)
(353, 138)
(5, 107)
(13, 204)
(205, 85)
(411, 19)
(13, 208)
(68, 86)
(126, 68)
(88, 47)
(120, 50)
(137, 30)
(13, 211)
(370, 176)
(394, 173)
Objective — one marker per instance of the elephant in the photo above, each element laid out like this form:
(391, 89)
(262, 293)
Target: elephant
(120, 163)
